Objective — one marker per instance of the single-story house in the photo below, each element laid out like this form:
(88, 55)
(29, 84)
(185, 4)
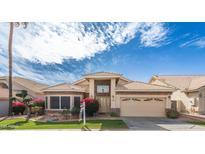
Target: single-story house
(33, 88)
(189, 93)
(114, 92)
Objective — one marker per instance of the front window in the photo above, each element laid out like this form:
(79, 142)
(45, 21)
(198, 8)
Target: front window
(46, 102)
(77, 101)
(102, 88)
(54, 102)
(65, 102)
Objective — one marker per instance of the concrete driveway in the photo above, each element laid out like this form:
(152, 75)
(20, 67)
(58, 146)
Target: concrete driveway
(162, 124)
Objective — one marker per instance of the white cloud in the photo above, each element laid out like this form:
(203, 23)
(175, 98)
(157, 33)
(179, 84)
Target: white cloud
(153, 34)
(54, 42)
(197, 42)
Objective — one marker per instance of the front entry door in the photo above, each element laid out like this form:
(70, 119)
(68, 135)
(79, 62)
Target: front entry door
(104, 102)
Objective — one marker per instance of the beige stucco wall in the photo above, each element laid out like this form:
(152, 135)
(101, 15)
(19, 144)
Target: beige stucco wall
(201, 100)
(113, 97)
(91, 88)
(182, 100)
(4, 93)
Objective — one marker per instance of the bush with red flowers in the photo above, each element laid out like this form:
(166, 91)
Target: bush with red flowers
(18, 107)
(91, 106)
(38, 102)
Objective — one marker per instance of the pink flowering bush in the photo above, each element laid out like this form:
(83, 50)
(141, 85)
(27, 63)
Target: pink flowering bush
(91, 106)
(18, 107)
(38, 106)
(38, 102)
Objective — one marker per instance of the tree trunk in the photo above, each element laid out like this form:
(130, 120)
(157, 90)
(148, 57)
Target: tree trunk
(28, 113)
(10, 65)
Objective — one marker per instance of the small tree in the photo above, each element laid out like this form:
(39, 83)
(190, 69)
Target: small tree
(26, 99)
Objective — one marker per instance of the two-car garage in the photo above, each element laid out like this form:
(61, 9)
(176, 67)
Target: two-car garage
(138, 99)
(142, 107)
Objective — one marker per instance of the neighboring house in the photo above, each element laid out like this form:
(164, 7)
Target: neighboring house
(189, 94)
(114, 92)
(33, 88)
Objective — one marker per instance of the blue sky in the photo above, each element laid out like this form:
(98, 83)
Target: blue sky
(62, 52)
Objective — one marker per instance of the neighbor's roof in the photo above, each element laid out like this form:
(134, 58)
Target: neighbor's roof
(183, 82)
(143, 87)
(27, 83)
(64, 87)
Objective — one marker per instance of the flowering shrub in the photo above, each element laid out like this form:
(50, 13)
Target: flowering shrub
(37, 106)
(91, 106)
(18, 107)
(88, 100)
(38, 102)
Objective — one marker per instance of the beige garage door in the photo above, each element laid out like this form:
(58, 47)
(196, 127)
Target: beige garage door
(142, 107)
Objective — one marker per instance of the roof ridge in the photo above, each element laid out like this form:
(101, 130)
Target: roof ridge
(101, 72)
(187, 75)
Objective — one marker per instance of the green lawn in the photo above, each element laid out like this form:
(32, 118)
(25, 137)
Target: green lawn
(201, 123)
(20, 123)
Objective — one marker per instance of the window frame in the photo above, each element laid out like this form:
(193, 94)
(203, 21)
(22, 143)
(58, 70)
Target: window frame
(58, 103)
(61, 103)
(60, 96)
(74, 101)
(101, 85)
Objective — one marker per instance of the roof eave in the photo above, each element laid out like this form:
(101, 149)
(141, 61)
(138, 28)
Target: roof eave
(64, 91)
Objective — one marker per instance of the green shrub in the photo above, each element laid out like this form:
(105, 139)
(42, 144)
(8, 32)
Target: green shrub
(172, 114)
(114, 114)
(75, 110)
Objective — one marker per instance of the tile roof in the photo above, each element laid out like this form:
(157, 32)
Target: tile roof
(183, 82)
(27, 83)
(141, 86)
(64, 87)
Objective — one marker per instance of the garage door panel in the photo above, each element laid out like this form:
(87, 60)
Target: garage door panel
(143, 107)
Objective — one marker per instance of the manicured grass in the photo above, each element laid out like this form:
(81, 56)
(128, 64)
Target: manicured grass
(201, 123)
(20, 123)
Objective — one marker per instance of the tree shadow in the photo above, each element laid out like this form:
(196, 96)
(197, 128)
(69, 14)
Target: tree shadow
(85, 128)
